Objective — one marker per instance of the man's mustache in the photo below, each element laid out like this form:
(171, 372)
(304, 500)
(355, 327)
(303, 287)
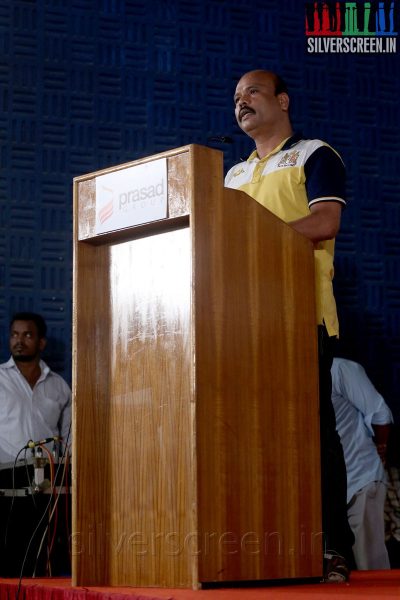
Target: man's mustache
(244, 111)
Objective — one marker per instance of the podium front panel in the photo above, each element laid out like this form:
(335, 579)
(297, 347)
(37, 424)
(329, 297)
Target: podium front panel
(195, 384)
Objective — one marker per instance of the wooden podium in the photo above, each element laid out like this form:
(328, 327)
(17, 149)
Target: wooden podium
(195, 428)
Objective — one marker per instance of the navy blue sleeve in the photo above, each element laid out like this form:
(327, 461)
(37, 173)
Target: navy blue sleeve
(325, 176)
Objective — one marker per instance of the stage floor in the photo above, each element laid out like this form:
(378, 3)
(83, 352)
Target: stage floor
(363, 585)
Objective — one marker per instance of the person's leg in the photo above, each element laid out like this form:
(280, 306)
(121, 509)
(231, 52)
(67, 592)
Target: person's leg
(366, 519)
(338, 535)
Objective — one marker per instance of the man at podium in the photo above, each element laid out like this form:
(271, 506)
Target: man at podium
(302, 182)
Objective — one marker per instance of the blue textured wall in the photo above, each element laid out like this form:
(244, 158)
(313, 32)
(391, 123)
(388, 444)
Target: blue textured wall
(85, 85)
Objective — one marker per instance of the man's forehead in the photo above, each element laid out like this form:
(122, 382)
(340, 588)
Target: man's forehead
(24, 325)
(255, 79)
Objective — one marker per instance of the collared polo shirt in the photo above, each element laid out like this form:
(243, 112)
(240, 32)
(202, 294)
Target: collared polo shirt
(297, 174)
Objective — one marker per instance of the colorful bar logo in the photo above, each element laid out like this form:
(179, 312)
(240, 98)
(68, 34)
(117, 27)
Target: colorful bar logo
(350, 18)
(369, 20)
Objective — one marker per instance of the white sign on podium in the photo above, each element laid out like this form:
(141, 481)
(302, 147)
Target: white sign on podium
(131, 196)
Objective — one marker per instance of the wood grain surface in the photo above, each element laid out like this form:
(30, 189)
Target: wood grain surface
(196, 448)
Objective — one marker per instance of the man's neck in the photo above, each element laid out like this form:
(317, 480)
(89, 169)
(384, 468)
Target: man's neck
(266, 144)
(30, 370)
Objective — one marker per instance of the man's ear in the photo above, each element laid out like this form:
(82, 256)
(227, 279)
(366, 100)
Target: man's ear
(284, 100)
(42, 344)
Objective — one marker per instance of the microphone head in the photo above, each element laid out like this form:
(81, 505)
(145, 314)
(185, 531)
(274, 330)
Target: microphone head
(222, 139)
(32, 444)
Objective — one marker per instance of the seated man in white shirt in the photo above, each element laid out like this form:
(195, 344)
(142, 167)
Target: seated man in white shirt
(35, 402)
(363, 421)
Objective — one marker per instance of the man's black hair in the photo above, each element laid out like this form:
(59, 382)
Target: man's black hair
(31, 316)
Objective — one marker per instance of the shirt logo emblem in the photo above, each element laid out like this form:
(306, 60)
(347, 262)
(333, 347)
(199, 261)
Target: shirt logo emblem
(238, 172)
(289, 159)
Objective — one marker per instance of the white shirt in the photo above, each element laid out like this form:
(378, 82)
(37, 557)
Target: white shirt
(31, 414)
(358, 406)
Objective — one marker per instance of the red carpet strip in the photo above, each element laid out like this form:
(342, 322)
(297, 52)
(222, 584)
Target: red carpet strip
(363, 585)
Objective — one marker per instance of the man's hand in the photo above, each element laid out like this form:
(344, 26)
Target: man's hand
(381, 439)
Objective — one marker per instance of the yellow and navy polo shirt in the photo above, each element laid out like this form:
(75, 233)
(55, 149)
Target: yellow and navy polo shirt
(288, 181)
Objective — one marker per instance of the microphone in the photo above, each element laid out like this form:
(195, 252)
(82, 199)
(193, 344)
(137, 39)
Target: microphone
(223, 139)
(32, 444)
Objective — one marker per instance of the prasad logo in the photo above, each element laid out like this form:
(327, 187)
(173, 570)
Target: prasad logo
(141, 197)
(106, 212)
(131, 196)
